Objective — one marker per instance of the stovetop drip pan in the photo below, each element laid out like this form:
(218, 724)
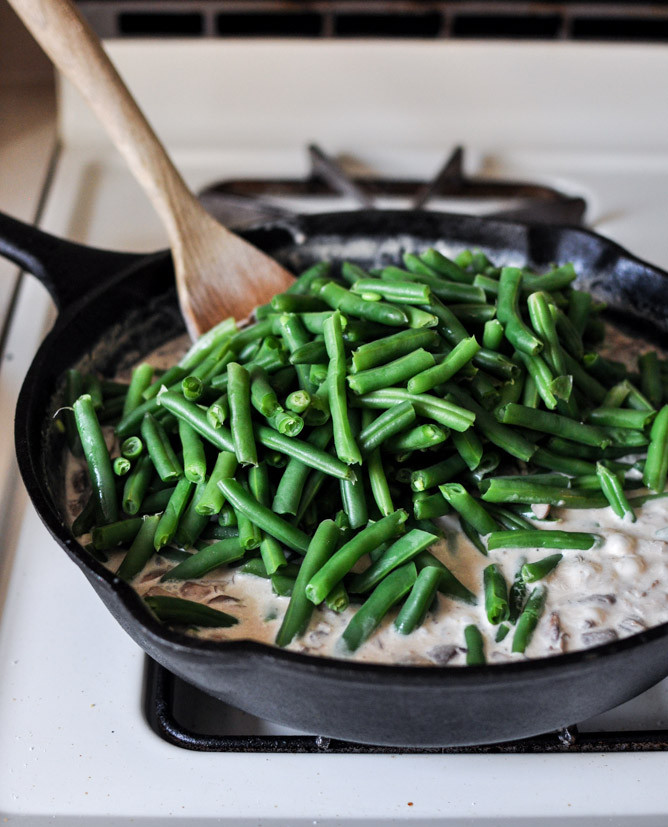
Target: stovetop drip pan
(186, 717)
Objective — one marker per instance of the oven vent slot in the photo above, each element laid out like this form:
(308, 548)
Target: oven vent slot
(643, 22)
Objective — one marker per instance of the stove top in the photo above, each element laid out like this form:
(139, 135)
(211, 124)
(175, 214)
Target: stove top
(77, 744)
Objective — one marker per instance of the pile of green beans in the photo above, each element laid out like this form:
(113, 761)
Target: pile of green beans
(317, 446)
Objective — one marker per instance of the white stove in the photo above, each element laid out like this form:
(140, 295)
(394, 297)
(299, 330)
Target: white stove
(75, 745)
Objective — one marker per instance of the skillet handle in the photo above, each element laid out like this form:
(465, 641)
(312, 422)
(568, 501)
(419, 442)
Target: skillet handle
(67, 270)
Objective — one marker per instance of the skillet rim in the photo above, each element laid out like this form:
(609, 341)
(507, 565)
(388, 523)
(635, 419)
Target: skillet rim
(489, 673)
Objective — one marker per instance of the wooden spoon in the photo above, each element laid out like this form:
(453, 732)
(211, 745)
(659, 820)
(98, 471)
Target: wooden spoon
(218, 274)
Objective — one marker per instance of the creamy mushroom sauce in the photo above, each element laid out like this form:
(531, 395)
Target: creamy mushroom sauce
(614, 590)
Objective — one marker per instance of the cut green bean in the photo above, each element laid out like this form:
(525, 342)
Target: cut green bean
(300, 608)
(344, 441)
(97, 458)
(469, 508)
(528, 620)
(345, 558)
(160, 449)
(496, 595)
(656, 464)
(414, 610)
(180, 612)
(540, 568)
(213, 499)
(475, 646)
(174, 510)
(206, 559)
(141, 550)
(401, 551)
(369, 616)
(614, 492)
(539, 538)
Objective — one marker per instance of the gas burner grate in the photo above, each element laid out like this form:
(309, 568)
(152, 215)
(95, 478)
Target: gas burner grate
(243, 202)
(168, 701)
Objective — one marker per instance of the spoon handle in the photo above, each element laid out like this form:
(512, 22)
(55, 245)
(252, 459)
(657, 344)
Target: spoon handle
(77, 52)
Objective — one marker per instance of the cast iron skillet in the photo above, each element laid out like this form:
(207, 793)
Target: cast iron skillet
(114, 307)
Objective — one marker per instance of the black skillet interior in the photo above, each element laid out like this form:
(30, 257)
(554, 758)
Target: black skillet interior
(135, 310)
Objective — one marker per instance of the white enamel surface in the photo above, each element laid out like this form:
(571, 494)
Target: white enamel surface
(74, 746)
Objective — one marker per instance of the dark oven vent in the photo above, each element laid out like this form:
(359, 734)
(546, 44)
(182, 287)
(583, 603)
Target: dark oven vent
(390, 19)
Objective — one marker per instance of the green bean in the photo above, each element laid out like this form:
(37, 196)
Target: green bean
(289, 490)
(539, 538)
(196, 417)
(517, 593)
(401, 551)
(540, 568)
(378, 483)
(132, 447)
(437, 474)
(614, 493)
(338, 600)
(298, 613)
(121, 532)
(448, 291)
(392, 373)
(192, 523)
(97, 458)
(250, 536)
(579, 308)
(416, 439)
(528, 620)
(390, 422)
(650, 378)
(414, 610)
(543, 323)
(551, 423)
(213, 499)
(492, 334)
(206, 559)
(621, 418)
(516, 331)
(389, 348)
(428, 506)
(286, 423)
(556, 279)
(295, 303)
(469, 448)
(298, 401)
(302, 284)
(430, 377)
(192, 388)
(475, 647)
(262, 395)
(344, 441)
(431, 407)
(338, 298)
(141, 550)
(180, 612)
(367, 618)
(496, 595)
(469, 508)
(238, 391)
(270, 549)
(407, 292)
(194, 461)
(445, 267)
(505, 438)
(345, 558)
(142, 376)
(176, 506)
(159, 449)
(218, 411)
(121, 466)
(136, 484)
(564, 464)
(656, 463)
(262, 516)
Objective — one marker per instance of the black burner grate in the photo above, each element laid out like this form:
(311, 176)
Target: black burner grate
(241, 202)
(168, 699)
